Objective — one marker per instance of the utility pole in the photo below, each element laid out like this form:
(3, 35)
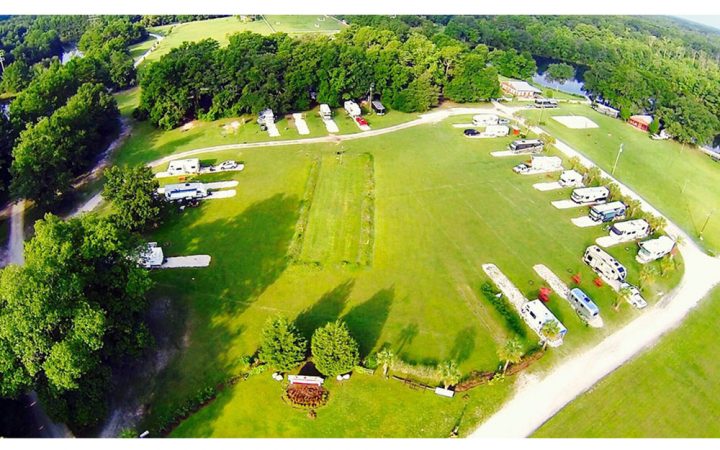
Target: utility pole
(707, 219)
(617, 158)
(370, 95)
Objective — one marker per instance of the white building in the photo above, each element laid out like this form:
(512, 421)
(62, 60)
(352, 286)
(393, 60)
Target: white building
(184, 167)
(325, 111)
(520, 88)
(653, 249)
(536, 314)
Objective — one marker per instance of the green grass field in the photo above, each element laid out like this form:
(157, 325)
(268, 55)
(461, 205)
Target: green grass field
(442, 208)
(681, 182)
(670, 391)
(220, 29)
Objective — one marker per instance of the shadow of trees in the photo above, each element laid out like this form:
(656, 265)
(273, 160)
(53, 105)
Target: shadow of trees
(366, 320)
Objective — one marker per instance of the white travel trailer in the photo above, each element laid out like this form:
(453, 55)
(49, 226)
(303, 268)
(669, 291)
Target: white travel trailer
(590, 195)
(484, 120)
(266, 116)
(603, 264)
(607, 212)
(540, 164)
(571, 178)
(583, 304)
(535, 314)
(653, 249)
(325, 111)
(184, 191)
(496, 131)
(630, 230)
(352, 108)
(151, 256)
(184, 167)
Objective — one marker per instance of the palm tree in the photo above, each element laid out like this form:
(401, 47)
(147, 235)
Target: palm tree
(449, 373)
(511, 353)
(656, 223)
(550, 331)
(633, 207)
(667, 266)
(647, 275)
(593, 174)
(386, 358)
(621, 297)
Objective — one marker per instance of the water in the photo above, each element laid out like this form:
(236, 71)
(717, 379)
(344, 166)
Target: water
(5, 108)
(70, 53)
(574, 86)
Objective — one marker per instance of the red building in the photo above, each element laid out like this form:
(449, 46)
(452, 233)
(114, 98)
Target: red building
(640, 122)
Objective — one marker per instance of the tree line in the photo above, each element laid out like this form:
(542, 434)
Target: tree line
(254, 72)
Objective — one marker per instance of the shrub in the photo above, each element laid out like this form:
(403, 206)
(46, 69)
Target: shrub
(512, 320)
(334, 351)
(306, 395)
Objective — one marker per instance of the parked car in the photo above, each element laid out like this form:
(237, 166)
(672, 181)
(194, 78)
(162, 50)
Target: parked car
(522, 168)
(227, 165)
(634, 297)
(503, 121)
(471, 132)
(361, 121)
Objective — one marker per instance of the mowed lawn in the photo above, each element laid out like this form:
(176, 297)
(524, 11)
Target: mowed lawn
(683, 183)
(222, 28)
(443, 207)
(671, 391)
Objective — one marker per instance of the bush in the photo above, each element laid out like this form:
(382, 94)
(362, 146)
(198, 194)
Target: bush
(512, 320)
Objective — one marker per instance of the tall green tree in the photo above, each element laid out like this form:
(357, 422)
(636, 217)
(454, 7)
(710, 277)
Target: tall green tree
(283, 347)
(133, 193)
(449, 373)
(334, 351)
(510, 353)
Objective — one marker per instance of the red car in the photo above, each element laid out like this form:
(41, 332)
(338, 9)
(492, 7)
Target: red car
(361, 121)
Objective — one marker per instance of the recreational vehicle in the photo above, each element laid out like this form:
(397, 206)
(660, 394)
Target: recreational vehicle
(325, 111)
(536, 315)
(583, 304)
(607, 212)
(608, 111)
(604, 264)
(546, 103)
(653, 249)
(631, 229)
(185, 191)
(378, 107)
(483, 120)
(352, 108)
(496, 131)
(540, 164)
(151, 256)
(590, 195)
(266, 116)
(570, 178)
(526, 146)
(184, 167)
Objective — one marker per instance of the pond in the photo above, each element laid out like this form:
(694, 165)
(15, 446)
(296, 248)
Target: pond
(574, 86)
(69, 53)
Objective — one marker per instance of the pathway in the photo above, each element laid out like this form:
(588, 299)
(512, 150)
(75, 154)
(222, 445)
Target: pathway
(158, 39)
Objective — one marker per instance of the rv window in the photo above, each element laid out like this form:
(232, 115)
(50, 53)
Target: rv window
(532, 315)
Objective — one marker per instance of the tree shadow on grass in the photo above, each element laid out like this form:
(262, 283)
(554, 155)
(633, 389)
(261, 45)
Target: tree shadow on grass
(366, 320)
(464, 344)
(327, 309)
(407, 336)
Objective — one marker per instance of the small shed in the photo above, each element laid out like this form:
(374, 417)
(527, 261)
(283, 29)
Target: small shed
(378, 107)
(641, 122)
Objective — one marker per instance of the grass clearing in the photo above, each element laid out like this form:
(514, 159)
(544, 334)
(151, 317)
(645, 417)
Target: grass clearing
(681, 182)
(671, 391)
(440, 212)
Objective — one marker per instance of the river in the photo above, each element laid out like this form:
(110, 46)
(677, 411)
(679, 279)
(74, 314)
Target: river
(574, 86)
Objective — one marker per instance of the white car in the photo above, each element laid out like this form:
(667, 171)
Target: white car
(227, 165)
(634, 298)
(521, 168)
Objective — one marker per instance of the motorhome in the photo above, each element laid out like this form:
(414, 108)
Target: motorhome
(325, 111)
(607, 110)
(546, 103)
(583, 304)
(602, 263)
(352, 108)
(570, 178)
(653, 249)
(630, 230)
(184, 167)
(496, 131)
(584, 196)
(483, 120)
(266, 116)
(526, 146)
(540, 164)
(536, 314)
(378, 107)
(185, 191)
(607, 212)
(151, 256)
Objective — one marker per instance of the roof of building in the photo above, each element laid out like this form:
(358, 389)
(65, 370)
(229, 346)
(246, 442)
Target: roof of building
(645, 119)
(659, 245)
(522, 86)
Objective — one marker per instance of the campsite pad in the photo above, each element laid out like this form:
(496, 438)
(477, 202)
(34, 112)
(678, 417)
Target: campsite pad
(221, 184)
(331, 126)
(541, 171)
(162, 175)
(512, 293)
(552, 186)
(576, 122)
(566, 204)
(609, 241)
(503, 153)
(561, 289)
(464, 125)
(215, 169)
(175, 262)
(584, 222)
(362, 127)
(301, 124)
(221, 194)
(272, 130)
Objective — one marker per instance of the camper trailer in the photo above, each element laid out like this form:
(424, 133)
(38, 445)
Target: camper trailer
(483, 120)
(184, 167)
(265, 117)
(526, 146)
(325, 112)
(352, 108)
(607, 212)
(653, 249)
(184, 191)
(536, 315)
(604, 264)
(151, 256)
(608, 111)
(630, 230)
(546, 103)
(570, 178)
(496, 131)
(583, 304)
(540, 164)
(378, 107)
(584, 196)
